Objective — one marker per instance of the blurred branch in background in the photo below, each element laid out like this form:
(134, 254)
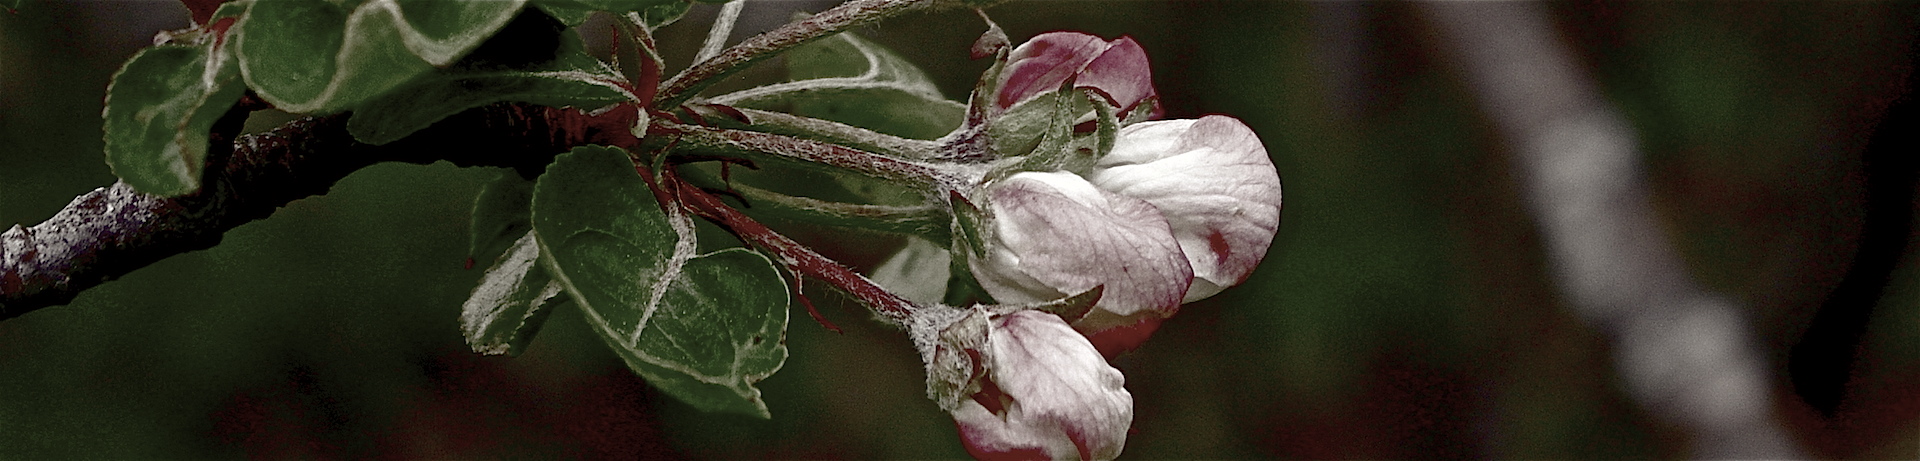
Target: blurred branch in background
(1685, 354)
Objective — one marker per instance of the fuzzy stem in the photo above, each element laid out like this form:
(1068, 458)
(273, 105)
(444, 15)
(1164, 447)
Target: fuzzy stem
(802, 260)
(927, 221)
(722, 27)
(829, 131)
(754, 145)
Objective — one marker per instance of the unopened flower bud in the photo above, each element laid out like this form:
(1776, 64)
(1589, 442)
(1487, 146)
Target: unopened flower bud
(1048, 394)
(1116, 68)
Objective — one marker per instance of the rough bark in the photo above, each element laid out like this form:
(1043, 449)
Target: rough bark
(114, 230)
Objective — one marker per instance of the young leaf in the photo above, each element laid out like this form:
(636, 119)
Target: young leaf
(320, 56)
(574, 12)
(502, 213)
(573, 79)
(847, 79)
(160, 108)
(511, 302)
(703, 329)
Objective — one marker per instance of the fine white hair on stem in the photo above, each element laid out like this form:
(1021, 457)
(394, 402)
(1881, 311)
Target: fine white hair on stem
(722, 28)
(1683, 353)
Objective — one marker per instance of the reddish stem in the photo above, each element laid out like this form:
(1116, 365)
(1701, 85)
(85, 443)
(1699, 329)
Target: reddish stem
(575, 127)
(800, 259)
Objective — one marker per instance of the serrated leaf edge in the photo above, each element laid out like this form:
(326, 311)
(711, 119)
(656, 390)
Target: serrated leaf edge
(607, 330)
(440, 53)
(501, 281)
(183, 142)
(428, 50)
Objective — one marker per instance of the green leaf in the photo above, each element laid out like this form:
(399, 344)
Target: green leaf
(320, 56)
(918, 271)
(573, 12)
(502, 213)
(661, 15)
(847, 79)
(567, 15)
(573, 79)
(702, 328)
(511, 302)
(160, 108)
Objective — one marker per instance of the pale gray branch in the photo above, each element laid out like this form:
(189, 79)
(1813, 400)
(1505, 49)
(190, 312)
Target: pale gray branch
(1685, 354)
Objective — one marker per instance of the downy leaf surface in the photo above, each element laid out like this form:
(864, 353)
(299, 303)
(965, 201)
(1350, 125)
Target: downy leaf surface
(511, 302)
(159, 110)
(656, 12)
(573, 79)
(320, 56)
(850, 80)
(702, 328)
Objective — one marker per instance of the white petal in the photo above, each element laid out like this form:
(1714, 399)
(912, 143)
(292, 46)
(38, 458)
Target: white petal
(1065, 401)
(917, 272)
(1214, 183)
(1054, 234)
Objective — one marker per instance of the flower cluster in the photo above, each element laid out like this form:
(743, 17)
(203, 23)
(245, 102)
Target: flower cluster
(1174, 212)
(1168, 212)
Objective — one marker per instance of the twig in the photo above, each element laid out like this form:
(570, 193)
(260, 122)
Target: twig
(114, 230)
(763, 146)
(1684, 354)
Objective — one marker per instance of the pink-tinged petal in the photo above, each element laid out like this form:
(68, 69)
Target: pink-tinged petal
(1122, 72)
(1057, 397)
(1043, 63)
(1113, 341)
(1055, 234)
(1214, 183)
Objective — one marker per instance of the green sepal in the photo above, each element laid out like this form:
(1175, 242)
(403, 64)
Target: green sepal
(1058, 147)
(850, 80)
(160, 108)
(1019, 130)
(1070, 308)
(1083, 151)
(702, 328)
(971, 236)
(573, 79)
(320, 56)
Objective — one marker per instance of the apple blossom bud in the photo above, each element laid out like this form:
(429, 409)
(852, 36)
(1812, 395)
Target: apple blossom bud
(1054, 234)
(1048, 394)
(1212, 181)
(1116, 68)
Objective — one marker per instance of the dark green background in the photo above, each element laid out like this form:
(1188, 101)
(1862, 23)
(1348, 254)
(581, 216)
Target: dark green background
(1403, 310)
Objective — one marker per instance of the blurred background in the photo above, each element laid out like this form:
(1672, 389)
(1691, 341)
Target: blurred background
(1422, 299)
